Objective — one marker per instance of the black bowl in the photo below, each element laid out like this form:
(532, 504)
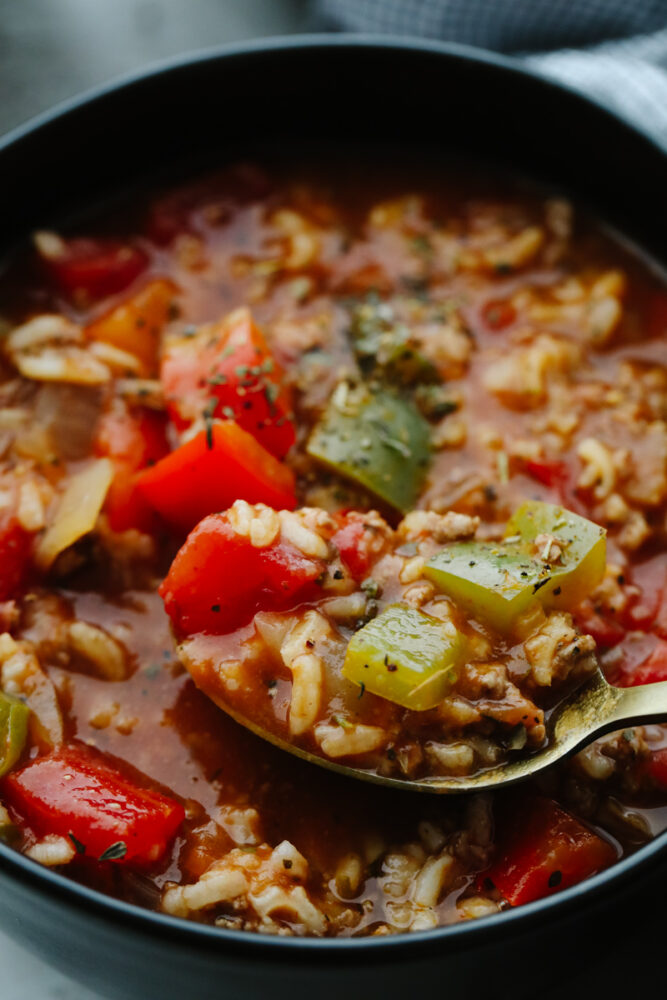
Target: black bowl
(349, 91)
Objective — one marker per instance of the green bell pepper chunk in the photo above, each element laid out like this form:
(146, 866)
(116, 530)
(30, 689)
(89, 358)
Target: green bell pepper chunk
(497, 582)
(584, 550)
(376, 438)
(385, 347)
(406, 656)
(13, 731)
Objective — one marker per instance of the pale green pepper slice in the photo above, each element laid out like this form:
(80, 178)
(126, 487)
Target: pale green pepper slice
(376, 438)
(583, 546)
(13, 731)
(406, 656)
(498, 582)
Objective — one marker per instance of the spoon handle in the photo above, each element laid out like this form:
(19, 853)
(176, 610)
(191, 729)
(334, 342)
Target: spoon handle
(633, 705)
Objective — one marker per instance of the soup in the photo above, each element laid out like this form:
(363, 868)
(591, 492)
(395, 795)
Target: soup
(379, 464)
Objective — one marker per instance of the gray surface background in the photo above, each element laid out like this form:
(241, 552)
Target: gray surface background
(51, 50)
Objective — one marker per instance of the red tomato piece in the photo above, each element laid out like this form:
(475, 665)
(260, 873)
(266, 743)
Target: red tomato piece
(649, 610)
(650, 670)
(357, 544)
(132, 439)
(497, 314)
(219, 580)
(656, 767)
(211, 471)
(15, 556)
(549, 472)
(227, 371)
(75, 793)
(92, 269)
(545, 850)
(135, 325)
(605, 629)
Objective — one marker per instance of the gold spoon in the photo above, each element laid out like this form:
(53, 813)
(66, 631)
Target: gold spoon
(592, 710)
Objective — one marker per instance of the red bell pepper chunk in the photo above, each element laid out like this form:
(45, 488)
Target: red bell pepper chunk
(15, 556)
(92, 269)
(357, 544)
(219, 580)
(497, 314)
(216, 467)
(228, 372)
(545, 850)
(132, 439)
(76, 793)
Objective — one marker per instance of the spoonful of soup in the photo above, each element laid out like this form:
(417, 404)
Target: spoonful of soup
(421, 657)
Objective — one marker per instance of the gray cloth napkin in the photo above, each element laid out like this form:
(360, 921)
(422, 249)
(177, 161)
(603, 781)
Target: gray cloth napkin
(613, 50)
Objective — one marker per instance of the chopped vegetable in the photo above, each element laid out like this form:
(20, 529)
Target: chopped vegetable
(77, 511)
(385, 346)
(219, 580)
(15, 553)
(358, 542)
(583, 547)
(497, 314)
(650, 670)
(656, 767)
(227, 370)
(13, 731)
(90, 269)
(73, 792)
(220, 465)
(133, 440)
(497, 582)
(546, 850)
(376, 438)
(135, 325)
(406, 656)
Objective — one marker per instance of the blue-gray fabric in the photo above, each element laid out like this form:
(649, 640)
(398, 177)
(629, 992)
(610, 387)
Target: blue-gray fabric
(612, 50)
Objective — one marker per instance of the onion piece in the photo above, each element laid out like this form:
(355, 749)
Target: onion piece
(63, 364)
(77, 511)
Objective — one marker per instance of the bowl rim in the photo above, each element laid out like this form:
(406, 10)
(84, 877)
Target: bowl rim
(246, 944)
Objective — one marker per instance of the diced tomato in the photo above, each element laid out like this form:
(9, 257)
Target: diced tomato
(604, 628)
(357, 544)
(216, 467)
(135, 325)
(650, 670)
(549, 472)
(498, 314)
(133, 440)
(219, 580)
(545, 849)
(88, 270)
(228, 371)
(15, 555)
(656, 767)
(649, 610)
(212, 199)
(75, 793)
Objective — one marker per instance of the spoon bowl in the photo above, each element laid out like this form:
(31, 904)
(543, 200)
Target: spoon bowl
(593, 709)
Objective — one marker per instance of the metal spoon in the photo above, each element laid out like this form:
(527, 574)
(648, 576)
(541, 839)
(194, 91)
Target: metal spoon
(592, 710)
